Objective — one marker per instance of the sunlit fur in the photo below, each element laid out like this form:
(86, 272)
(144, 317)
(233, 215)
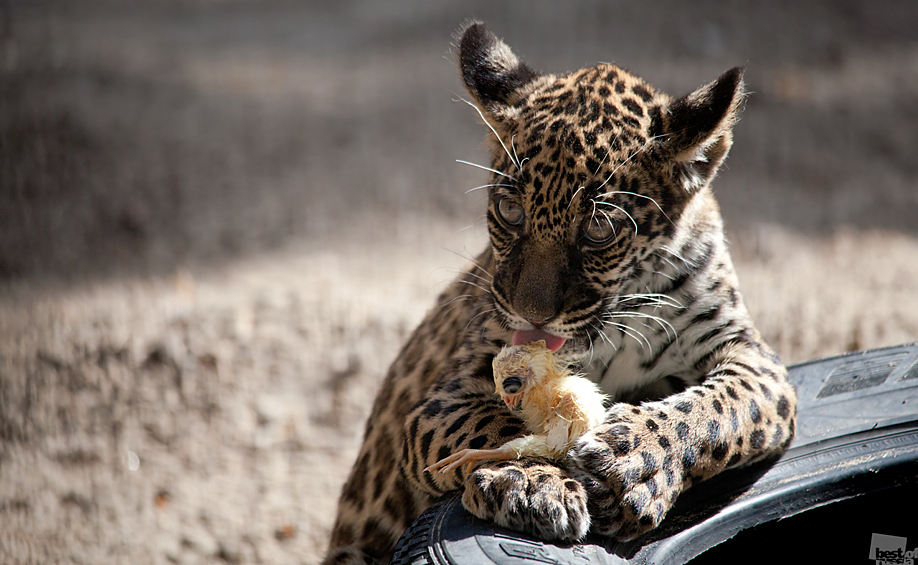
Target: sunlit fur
(605, 163)
(653, 314)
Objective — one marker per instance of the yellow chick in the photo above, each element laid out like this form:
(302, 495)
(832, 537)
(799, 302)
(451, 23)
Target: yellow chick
(557, 406)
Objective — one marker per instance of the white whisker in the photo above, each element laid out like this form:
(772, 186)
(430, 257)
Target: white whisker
(479, 287)
(608, 219)
(639, 196)
(455, 298)
(664, 275)
(652, 298)
(457, 302)
(495, 171)
(517, 157)
(622, 164)
(461, 274)
(627, 330)
(604, 337)
(484, 326)
(488, 185)
(574, 196)
(608, 152)
(471, 259)
(475, 316)
(494, 131)
(482, 279)
(667, 327)
(677, 256)
(623, 210)
(671, 264)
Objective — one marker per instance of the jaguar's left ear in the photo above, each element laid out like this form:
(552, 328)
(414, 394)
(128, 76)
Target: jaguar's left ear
(698, 128)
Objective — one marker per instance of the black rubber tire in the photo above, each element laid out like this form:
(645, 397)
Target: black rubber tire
(857, 436)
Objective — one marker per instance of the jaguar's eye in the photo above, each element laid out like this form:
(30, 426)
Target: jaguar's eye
(599, 229)
(509, 211)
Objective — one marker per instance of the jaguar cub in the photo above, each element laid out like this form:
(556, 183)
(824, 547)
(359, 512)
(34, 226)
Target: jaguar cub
(607, 243)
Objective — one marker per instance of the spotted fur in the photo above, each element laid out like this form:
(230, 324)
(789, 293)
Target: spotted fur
(604, 230)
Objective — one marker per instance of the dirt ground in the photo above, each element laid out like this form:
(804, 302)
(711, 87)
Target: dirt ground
(219, 220)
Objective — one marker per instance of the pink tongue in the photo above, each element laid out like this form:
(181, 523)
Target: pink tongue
(552, 342)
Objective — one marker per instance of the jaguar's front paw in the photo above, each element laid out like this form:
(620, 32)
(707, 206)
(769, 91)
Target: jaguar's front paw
(630, 478)
(530, 495)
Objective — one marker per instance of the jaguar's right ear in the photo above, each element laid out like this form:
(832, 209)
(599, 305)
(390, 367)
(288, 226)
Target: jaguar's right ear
(493, 74)
(699, 128)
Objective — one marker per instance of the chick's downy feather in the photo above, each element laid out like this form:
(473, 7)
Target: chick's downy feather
(557, 406)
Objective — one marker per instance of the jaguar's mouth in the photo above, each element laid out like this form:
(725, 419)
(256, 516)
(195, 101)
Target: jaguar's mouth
(552, 342)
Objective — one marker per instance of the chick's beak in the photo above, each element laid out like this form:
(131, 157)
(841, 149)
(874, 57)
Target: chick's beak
(512, 401)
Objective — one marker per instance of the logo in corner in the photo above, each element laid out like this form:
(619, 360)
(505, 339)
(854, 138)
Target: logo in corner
(888, 550)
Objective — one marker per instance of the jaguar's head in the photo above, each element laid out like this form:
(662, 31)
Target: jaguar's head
(593, 171)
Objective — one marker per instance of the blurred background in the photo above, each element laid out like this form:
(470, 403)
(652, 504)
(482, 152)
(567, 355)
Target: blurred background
(220, 218)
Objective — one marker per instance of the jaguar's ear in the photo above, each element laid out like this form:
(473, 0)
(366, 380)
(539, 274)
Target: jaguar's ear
(493, 74)
(698, 128)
